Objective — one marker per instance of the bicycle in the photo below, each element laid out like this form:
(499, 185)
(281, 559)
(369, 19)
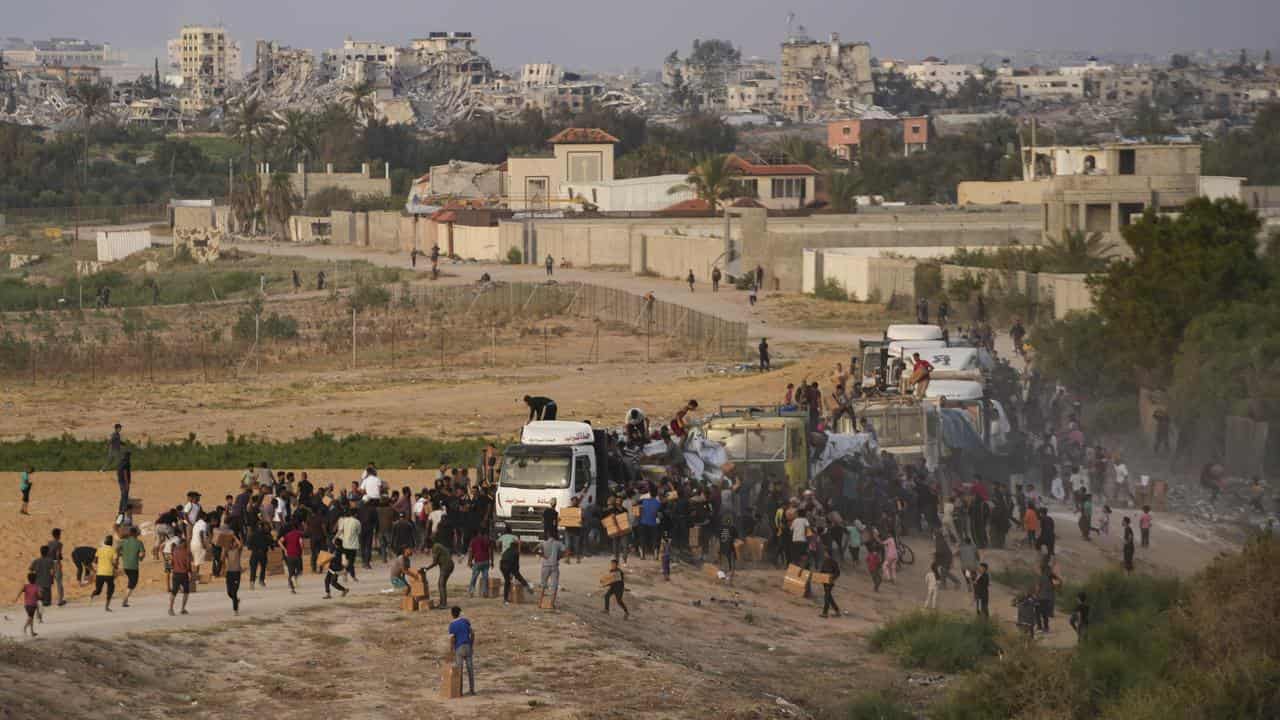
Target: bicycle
(905, 554)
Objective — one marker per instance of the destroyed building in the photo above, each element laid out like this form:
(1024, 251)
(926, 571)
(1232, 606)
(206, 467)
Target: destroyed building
(818, 76)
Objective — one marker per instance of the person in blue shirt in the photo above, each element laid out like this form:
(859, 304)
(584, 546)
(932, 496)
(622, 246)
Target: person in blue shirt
(463, 640)
(649, 508)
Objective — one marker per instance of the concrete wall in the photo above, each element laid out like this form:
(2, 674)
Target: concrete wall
(383, 231)
(866, 272)
(1019, 192)
(199, 218)
(478, 243)
(674, 256)
(344, 227)
(1261, 197)
(1069, 293)
(308, 229)
(117, 245)
(360, 183)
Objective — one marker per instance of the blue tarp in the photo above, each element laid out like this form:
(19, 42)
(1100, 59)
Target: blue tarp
(958, 432)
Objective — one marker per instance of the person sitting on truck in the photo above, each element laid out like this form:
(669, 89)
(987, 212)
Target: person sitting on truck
(679, 426)
(540, 408)
(921, 369)
(637, 428)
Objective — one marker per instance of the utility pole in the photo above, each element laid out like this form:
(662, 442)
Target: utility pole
(353, 338)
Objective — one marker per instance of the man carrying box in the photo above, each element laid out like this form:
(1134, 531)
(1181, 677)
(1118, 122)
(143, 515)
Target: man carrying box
(463, 640)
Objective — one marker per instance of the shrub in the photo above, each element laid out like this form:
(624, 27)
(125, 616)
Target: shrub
(831, 289)
(964, 287)
(514, 256)
(367, 295)
(878, 705)
(937, 641)
(928, 280)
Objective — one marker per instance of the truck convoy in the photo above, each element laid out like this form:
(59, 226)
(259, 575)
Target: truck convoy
(554, 460)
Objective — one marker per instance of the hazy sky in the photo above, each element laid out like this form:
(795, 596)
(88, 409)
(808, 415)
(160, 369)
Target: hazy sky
(611, 34)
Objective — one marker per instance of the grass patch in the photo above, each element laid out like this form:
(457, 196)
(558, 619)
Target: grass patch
(319, 450)
(937, 641)
(325, 639)
(878, 705)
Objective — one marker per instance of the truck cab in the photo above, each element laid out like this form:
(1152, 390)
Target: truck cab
(986, 415)
(879, 357)
(555, 459)
(904, 428)
(764, 443)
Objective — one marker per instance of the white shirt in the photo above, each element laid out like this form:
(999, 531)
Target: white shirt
(192, 511)
(434, 519)
(372, 487)
(198, 533)
(930, 582)
(1122, 473)
(798, 526)
(418, 506)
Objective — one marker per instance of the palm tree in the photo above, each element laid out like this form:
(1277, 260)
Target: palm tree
(361, 98)
(843, 189)
(93, 99)
(248, 121)
(797, 149)
(711, 180)
(244, 201)
(280, 202)
(1078, 252)
(299, 135)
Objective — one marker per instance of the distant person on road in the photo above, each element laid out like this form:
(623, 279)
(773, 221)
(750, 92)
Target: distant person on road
(759, 276)
(1017, 333)
(690, 280)
(297, 280)
(291, 543)
(550, 265)
(435, 261)
(982, 590)
(715, 279)
(42, 566)
(551, 549)
(232, 568)
(1079, 620)
(1144, 525)
(922, 311)
(24, 486)
(830, 566)
(320, 280)
(615, 590)
(509, 563)
(348, 531)
(540, 407)
(463, 639)
(764, 354)
(55, 552)
(29, 593)
(944, 312)
(107, 561)
(334, 571)
(981, 314)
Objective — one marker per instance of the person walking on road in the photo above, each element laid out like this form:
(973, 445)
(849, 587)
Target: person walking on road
(715, 279)
(764, 354)
(552, 549)
(690, 280)
(55, 552)
(982, 591)
(615, 590)
(107, 562)
(830, 566)
(232, 567)
(348, 531)
(24, 487)
(181, 580)
(463, 639)
(29, 594)
(132, 552)
(550, 264)
(334, 573)
(931, 587)
(509, 564)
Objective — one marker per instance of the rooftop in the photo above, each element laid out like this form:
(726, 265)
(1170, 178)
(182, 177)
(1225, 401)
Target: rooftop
(582, 136)
(745, 167)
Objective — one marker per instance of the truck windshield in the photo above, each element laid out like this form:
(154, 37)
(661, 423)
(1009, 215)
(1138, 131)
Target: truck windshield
(751, 444)
(535, 472)
(896, 427)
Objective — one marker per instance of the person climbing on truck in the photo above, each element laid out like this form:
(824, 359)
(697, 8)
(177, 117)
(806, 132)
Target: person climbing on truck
(540, 408)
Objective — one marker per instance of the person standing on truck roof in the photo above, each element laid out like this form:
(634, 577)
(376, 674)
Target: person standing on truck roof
(922, 311)
(540, 408)
(921, 370)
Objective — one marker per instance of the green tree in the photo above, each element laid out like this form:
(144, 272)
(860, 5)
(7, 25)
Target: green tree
(843, 189)
(249, 121)
(91, 100)
(245, 202)
(1228, 363)
(1181, 268)
(1253, 153)
(711, 180)
(1078, 252)
(361, 98)
(280, 202)
(299, 136)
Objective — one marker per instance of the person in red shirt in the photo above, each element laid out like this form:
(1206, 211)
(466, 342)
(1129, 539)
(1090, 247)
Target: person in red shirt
(479, 557)
(291, 543)
(921, 369)
(182, 562)
(30, 595)
(678, 426)
(873, 565)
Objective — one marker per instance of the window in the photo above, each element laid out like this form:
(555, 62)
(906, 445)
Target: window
(535, 191)
(846, 130)
(535, 473)
(915, 129)
(581, 473)
(584, 167)
(1128, 161)
(788, 187)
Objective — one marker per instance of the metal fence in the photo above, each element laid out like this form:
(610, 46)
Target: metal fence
(99, 215)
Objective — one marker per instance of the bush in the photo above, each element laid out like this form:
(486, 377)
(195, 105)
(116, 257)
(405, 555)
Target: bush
(1112, 415)
(320, 450)
(831, 289)
(514, 256)
(878, 705)
(965, 287)
(937, 641)
(367, 295)
(928, 280)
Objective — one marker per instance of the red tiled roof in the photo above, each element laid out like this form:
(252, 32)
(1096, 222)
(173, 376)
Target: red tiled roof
(690, 205)
(751, 169)
(445, 216)
(746, 203)
(582, 136)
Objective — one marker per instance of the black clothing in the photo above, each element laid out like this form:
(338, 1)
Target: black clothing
(541, 408)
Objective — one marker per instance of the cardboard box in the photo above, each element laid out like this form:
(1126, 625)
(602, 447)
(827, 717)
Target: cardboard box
(417, 588)
(821, 579)
(635, 510)
(711, 571)
(798, 573)
(409, 603)
(571, 517)
(695, 537)
(518, 594)
(495, 587)
(547, 602)
(224, 538)
(322, 561)
(450, 682)
(793, 586)
(617, 525)
(609, 578)
(673, 496)
(754, 549)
